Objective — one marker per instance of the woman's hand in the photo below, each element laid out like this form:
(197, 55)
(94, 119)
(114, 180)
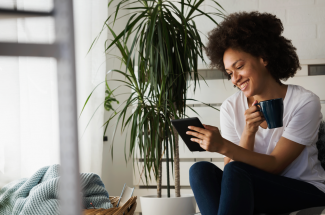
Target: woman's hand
(253, 119)
(209, 138)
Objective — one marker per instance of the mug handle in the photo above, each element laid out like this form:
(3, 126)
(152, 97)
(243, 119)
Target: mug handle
(259, 106)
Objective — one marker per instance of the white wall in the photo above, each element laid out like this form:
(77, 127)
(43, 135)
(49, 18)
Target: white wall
(303, 22)
(90, 69)
(116, 172)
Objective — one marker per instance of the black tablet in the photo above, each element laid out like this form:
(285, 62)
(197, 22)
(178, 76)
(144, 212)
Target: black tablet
(181, 126)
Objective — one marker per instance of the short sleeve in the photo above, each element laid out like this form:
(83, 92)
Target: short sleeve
(227, 126)
(304, 123)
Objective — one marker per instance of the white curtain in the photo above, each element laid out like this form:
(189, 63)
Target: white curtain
(29, 133)
(89, 19)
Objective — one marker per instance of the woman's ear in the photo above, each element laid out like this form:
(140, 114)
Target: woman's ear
(263, 61)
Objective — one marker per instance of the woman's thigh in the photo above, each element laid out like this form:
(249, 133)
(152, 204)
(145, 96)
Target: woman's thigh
(278, 194)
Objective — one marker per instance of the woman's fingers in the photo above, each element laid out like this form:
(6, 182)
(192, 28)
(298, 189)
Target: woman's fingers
(198, 129)
(195, 134)
(199, 141)
(210, 127)
(254, 118)
(252, 110)
(257, 119)
(254, 115)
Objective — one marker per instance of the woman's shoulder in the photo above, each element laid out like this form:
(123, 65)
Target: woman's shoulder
(302, 99)
(232, 101)
(303, 95)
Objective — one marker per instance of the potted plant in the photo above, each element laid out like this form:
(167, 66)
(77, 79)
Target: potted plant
(160, 63)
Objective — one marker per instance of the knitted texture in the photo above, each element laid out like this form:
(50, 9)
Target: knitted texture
(38, 195)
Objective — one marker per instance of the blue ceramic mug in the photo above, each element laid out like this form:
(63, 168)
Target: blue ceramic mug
(273, 112)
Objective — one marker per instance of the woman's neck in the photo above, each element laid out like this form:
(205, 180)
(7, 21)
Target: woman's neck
(274, 92)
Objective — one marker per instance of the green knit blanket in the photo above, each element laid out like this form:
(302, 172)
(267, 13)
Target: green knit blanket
(38, 195)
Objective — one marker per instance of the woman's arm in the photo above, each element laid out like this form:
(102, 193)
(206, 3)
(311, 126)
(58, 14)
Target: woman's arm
(285, 152)
(247, 141)
(226, 160)
(253, 119)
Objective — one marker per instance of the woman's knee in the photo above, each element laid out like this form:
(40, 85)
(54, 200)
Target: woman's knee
(232, 165)
(201, 170)
(236, 167)
(237, 164)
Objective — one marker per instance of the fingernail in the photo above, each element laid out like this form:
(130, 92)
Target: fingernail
(187, 132)
(189, 126)
(191, 139)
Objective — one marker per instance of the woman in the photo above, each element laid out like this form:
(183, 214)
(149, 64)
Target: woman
(266, 170)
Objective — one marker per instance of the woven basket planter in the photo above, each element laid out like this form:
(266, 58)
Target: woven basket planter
(127, 209)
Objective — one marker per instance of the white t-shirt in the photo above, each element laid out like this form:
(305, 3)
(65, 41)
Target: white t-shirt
(301, 119)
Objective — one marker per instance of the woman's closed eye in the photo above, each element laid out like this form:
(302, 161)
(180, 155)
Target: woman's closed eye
(237, 68)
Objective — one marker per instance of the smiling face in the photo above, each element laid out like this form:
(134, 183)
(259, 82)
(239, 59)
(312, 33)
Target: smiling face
(247, 72)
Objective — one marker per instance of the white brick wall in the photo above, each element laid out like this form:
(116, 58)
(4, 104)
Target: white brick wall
(285, 3)
(320, 2)
(299, 32)
(306, 15)
(303, 21)
(321, 31)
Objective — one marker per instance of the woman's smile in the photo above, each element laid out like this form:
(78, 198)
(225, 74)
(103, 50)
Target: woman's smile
(244, 85)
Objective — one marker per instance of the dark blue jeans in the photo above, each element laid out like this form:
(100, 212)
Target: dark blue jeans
(244, 189)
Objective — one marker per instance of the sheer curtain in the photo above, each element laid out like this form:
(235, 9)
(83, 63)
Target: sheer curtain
(29, 133)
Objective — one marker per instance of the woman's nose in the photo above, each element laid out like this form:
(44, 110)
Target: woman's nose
(235, 78)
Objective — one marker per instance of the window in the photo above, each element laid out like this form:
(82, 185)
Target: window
(316, 70)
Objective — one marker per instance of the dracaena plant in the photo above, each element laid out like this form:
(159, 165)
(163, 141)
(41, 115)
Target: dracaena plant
(164, 46)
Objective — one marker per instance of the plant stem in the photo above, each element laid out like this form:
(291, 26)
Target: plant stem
(167, 158)
(176, 164)
(159, 179)
(160, 153)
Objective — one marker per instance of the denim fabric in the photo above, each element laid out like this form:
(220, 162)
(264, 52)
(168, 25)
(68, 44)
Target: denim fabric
(244, 189)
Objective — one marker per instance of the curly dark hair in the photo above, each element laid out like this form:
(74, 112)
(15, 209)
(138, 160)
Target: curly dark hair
(258, 34)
